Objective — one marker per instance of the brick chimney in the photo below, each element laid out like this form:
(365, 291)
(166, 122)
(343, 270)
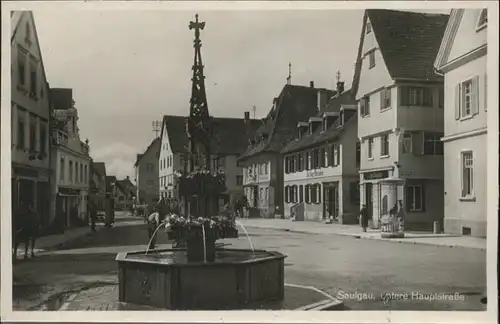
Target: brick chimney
(247, 116)
(127, 178)
(311, 84)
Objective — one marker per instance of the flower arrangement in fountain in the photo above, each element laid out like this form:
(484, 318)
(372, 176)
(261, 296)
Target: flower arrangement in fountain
(201, 182)
(220, 226)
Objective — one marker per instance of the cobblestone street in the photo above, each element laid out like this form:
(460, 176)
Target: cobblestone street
(355, 270)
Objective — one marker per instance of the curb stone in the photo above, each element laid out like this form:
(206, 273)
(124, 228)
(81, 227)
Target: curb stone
(400, 240)
(368, 238)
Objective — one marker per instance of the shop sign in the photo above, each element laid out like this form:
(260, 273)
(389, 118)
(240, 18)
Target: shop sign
(376, 175)
(314, 173)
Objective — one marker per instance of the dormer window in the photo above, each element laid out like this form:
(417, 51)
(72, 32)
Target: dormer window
(302, 129)
(482, 20)
(325, 124)
(310, 129)
(341, 118)
(368, 27)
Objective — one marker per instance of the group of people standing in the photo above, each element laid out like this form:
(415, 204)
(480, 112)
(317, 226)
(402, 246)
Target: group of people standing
(396, 216)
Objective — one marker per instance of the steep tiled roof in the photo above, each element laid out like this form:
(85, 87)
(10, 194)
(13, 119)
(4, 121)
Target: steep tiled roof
(138, 157)
(295, 103)
(320, 136)
(333, 105)
(155, 144)
(408, 41)
(99, 168)
(125, 186)
(229, 134)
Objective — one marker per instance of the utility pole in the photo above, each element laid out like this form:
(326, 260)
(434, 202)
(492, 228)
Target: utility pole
(156, 127)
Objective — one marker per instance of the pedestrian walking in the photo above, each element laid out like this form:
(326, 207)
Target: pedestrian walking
(364, 217)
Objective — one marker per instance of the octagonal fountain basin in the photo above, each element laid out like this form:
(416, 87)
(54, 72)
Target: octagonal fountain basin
(236, 279)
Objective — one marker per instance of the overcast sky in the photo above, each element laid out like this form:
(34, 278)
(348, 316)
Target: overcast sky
(128, 68)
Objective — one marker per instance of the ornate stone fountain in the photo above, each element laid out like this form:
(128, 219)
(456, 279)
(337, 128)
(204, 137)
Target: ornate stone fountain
(201, 276)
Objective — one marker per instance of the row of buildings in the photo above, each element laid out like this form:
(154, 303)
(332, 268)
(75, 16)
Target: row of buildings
(52, 169)
(416, 111)
(155, 169)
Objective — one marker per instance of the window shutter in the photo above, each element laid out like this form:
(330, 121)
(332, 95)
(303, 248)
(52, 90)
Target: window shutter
(475, 96)
(362, 107)
(485, 102)
(457, 101)
(329, 153)
(417, 143)
(287, 194)
(409, 197)
(423, 196)
(382, 99)
(338, 154)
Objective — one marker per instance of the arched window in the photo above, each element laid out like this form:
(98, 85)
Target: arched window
(307, 194)
(301, 193)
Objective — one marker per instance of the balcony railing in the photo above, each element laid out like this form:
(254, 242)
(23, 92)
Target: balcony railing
(60, 138)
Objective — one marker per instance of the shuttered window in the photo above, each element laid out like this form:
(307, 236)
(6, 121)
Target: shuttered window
(467, 98)
(385, 99)
(364, 106)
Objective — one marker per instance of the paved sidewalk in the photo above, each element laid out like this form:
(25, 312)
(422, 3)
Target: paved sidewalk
(356, 231)
(55, 241)
(105, 298)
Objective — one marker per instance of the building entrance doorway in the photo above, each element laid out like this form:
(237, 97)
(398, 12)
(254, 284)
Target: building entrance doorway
(331, 201)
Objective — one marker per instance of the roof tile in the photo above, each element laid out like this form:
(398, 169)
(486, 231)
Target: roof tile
(409, 41)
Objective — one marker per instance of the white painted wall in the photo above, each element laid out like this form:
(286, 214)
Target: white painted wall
(472, 69)
(372, 78)
(471, 212)
(166, 165)
(22, 102)
(468, 38)
(466, 212)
